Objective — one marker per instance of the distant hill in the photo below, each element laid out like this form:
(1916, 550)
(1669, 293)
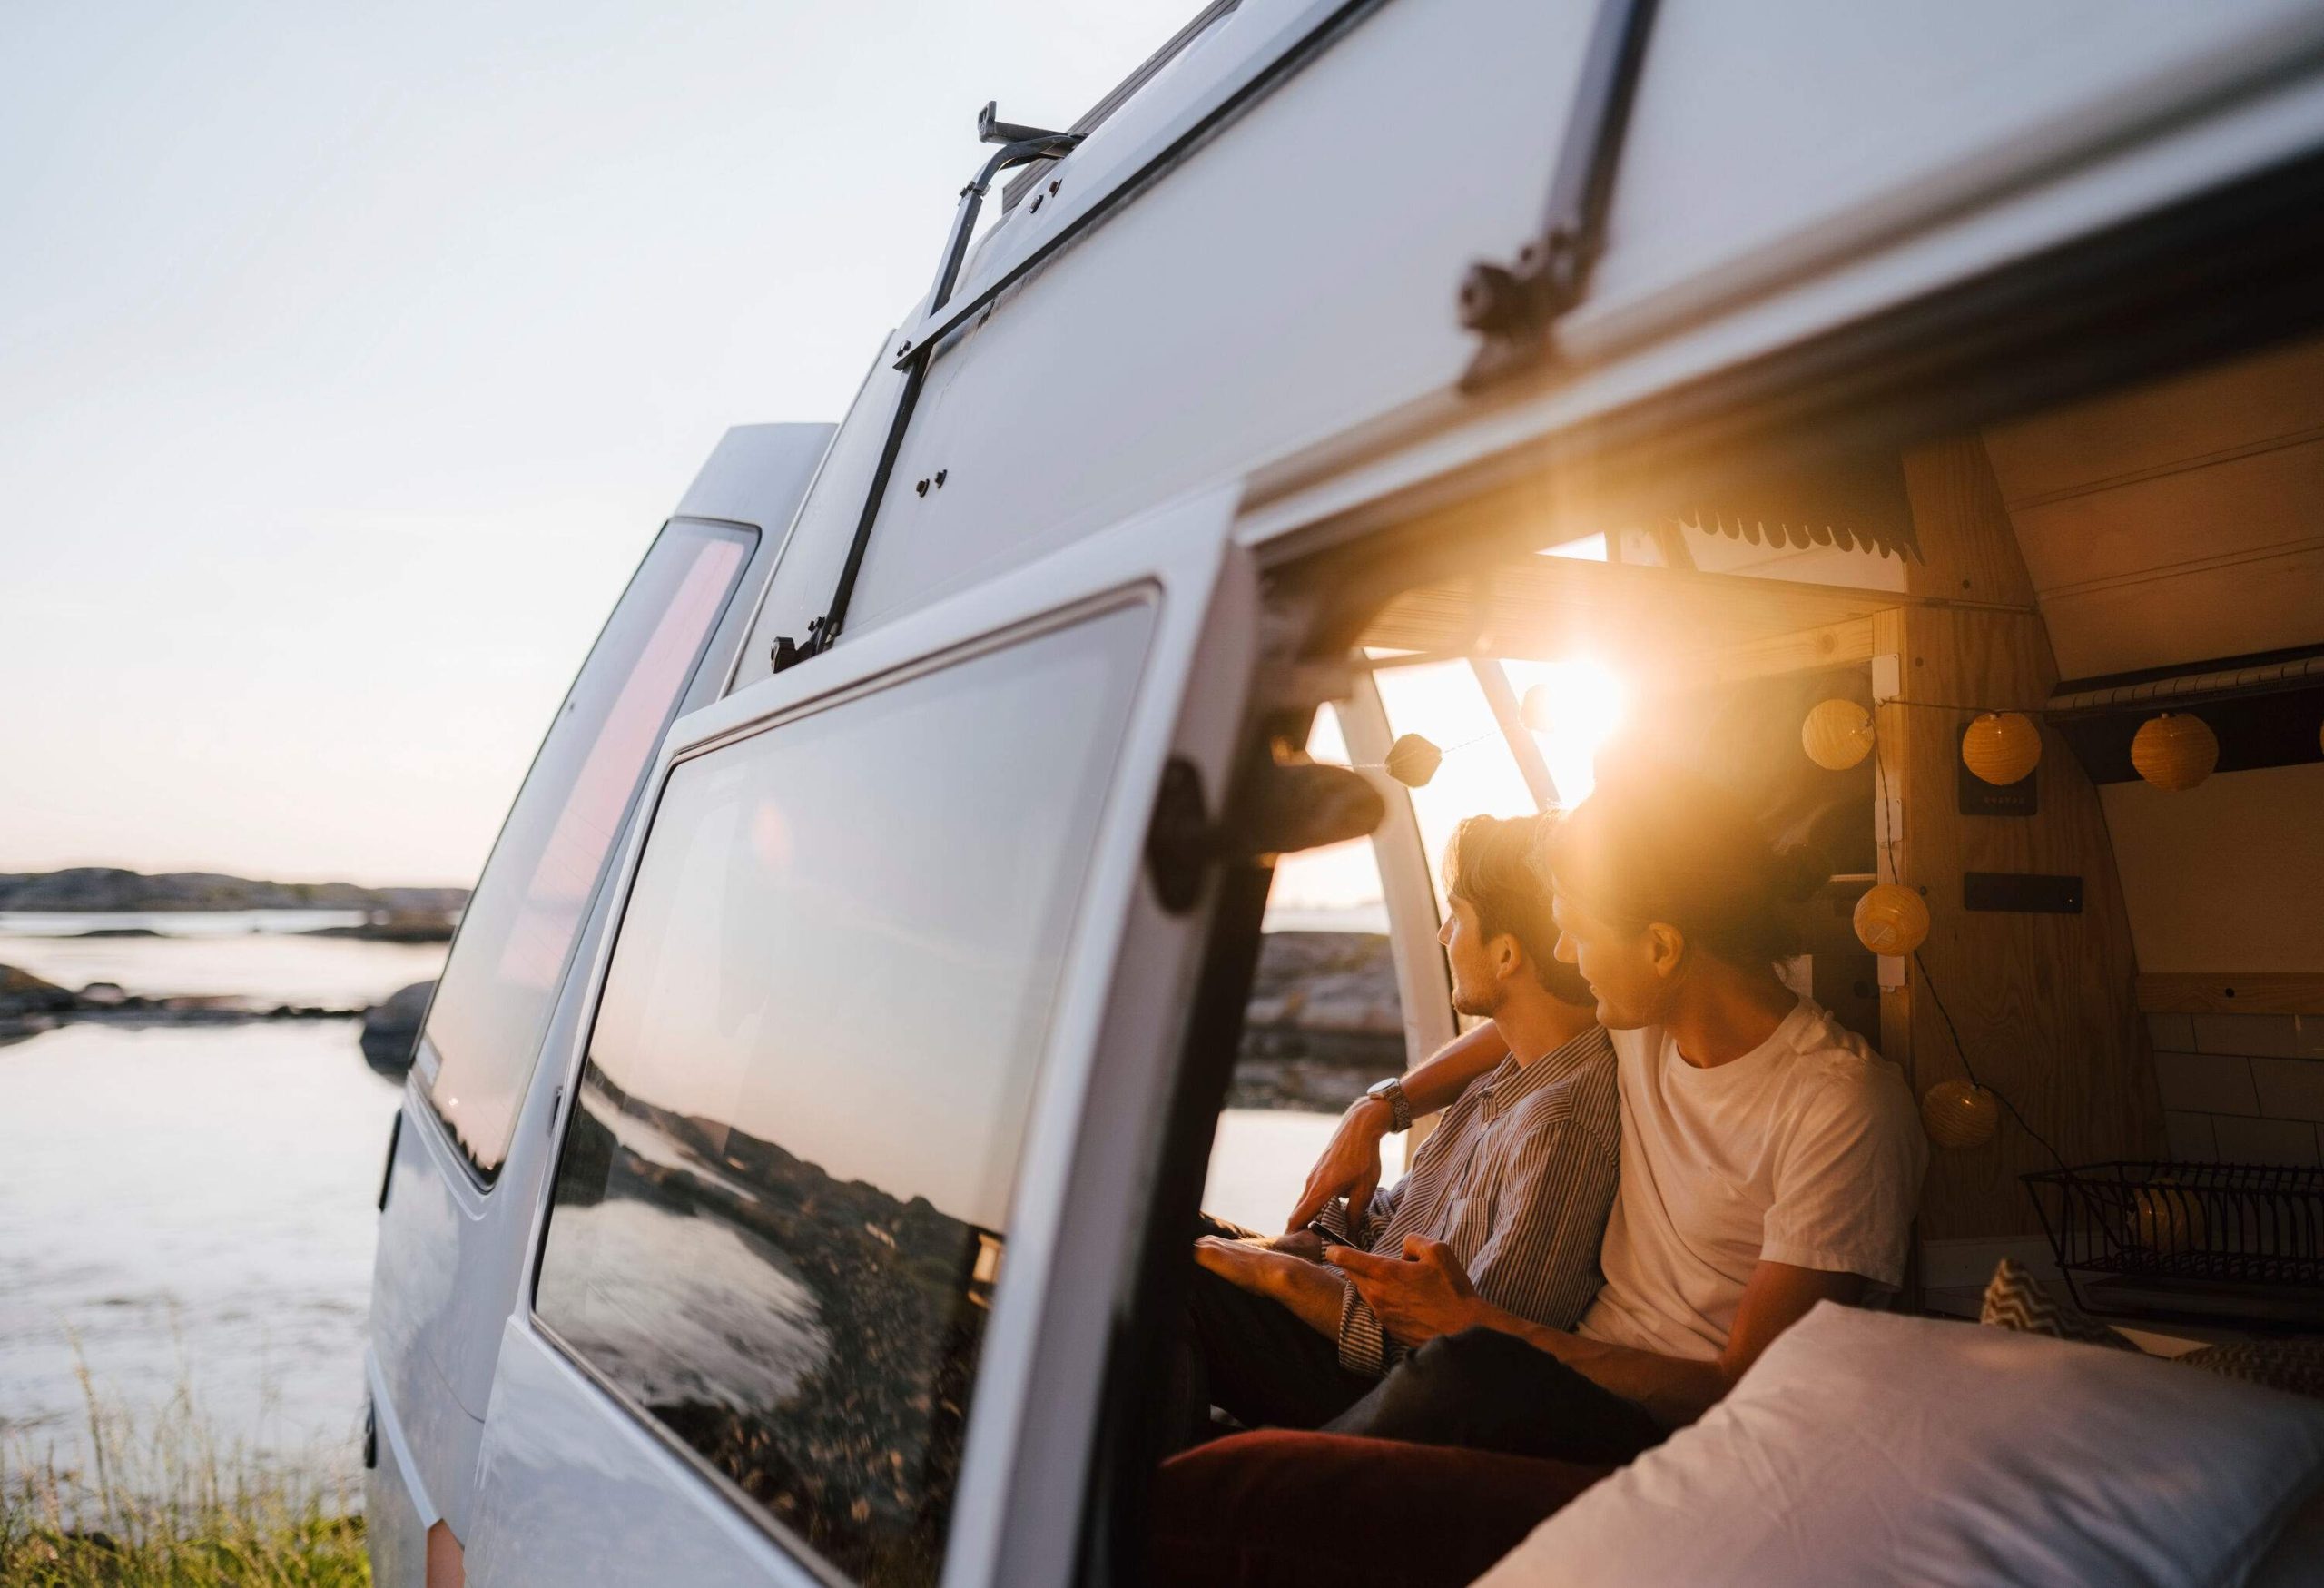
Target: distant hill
(102, 888)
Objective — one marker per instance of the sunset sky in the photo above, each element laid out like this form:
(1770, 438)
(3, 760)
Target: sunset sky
(349, 358)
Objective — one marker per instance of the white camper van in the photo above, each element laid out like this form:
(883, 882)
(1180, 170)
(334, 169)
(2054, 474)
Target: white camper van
(792, 1178)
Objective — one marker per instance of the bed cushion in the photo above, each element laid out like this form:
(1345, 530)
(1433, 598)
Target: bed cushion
(1870, 1448)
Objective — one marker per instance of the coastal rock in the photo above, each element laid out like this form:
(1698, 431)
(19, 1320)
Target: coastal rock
(1324, 1021)
(391, 1028)
(22, 993)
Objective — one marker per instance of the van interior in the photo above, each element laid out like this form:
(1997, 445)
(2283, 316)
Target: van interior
(2125, 951)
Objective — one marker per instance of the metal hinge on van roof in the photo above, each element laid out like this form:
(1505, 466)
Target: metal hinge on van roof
(1514, 307)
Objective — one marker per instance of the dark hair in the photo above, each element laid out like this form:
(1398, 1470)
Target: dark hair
(1659, 842)
(1489, 866)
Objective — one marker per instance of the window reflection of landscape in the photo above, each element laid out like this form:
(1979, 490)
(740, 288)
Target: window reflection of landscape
(779, 1215)
(485, 1025)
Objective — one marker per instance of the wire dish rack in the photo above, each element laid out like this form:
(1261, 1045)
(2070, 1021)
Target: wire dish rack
(2241, 1241)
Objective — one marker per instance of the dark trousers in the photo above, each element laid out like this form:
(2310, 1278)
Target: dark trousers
(1255, 1358)
(1485, 1390)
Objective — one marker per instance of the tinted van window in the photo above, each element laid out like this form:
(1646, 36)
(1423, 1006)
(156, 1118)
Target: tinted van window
(780, 1213)
(485, 1026)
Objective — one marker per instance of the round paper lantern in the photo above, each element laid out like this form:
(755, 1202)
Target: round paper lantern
(2001, 747)
(1956, 1114)
(1837, 735)
(1534, 709)
(2174, 750)
(2166, 1218)
(1891, 918)
(1413, 761)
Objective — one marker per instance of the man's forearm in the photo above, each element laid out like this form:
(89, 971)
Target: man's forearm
(1314, 1294)
(1674, 1389)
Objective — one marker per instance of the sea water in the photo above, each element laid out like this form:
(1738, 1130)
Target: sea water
(193, 1208)
(190, 1209)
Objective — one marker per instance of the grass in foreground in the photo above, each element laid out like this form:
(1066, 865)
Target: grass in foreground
(166, 1508)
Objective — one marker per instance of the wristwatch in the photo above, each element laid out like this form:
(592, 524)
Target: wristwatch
(1400, 1107)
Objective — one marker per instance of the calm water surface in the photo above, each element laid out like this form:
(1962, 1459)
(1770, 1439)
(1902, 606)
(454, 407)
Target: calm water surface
(193, 1206)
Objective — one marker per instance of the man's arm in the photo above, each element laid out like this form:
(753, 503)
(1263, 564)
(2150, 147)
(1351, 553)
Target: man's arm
(1350, 1166)
(1312, 1294)
(1427, 1293)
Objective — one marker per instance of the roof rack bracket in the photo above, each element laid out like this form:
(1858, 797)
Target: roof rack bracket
(1515, 307)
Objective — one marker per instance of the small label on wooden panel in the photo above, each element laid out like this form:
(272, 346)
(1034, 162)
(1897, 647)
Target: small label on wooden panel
(2026, 893)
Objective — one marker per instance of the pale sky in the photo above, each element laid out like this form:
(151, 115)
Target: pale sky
(349, 357)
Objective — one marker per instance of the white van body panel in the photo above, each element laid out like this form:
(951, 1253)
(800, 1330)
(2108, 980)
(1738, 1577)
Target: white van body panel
(397, 1514)
(1289, 281)
(603, 1473)
(803, 579)
(1218, 324)
(569, 1494)
(758, 475)
(449, 1250)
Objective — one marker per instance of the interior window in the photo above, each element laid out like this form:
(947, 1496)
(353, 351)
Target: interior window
(780, 1213)
(484, 1028)
(1325, 1020)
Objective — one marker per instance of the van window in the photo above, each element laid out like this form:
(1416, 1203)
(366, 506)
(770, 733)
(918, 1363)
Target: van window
(778, 1220)
(1324, 1020)
(485, 1026)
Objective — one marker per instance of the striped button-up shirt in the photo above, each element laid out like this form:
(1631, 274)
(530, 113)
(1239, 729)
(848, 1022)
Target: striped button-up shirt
(1517, 1178)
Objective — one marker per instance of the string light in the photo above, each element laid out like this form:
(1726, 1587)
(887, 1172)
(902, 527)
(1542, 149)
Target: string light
(2174, 750)
(1837, 734)
(2002, 747)
(1891, 918)
(1959, 1113)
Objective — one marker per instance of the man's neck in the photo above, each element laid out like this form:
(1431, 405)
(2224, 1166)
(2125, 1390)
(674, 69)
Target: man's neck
(1537, 1025)
(1728, 1014)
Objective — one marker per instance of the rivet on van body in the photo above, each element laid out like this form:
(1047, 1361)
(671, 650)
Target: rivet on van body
(940, 477)
(921, 488)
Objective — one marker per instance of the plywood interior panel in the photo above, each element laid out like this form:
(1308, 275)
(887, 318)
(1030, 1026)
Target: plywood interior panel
(2228, 874)
(2177, 521)
(2045, 1003)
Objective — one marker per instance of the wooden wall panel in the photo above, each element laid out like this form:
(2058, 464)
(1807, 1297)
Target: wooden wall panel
(2046, 1004)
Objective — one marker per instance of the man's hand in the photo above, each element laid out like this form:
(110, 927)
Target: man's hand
(1306, 1245)
(1240, 1263)
(1311, 1292)
(1416, 1297)
(1350, 1166)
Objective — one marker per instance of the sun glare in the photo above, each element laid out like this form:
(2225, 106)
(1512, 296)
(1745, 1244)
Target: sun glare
(1582, 700)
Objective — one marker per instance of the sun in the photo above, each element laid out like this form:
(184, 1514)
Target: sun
(1580, 705)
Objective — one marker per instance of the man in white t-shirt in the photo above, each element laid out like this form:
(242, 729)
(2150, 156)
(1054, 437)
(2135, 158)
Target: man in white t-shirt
(1770, 1159)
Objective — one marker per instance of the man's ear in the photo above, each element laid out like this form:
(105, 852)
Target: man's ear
(1508, 956)
(1665, 949)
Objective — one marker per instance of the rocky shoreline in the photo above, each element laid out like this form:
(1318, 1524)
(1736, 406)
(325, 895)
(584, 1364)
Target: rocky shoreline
(29, 1006)
(1323, 1020)
(107, 890)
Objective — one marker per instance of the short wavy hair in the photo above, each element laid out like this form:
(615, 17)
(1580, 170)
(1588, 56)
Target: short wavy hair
(1489, 865)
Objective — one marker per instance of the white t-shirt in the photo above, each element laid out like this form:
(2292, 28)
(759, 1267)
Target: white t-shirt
(1807, 1150)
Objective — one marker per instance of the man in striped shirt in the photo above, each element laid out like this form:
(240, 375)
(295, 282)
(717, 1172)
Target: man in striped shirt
(1515, 1182)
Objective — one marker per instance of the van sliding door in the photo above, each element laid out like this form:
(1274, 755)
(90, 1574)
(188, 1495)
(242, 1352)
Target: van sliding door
(801, 1307)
